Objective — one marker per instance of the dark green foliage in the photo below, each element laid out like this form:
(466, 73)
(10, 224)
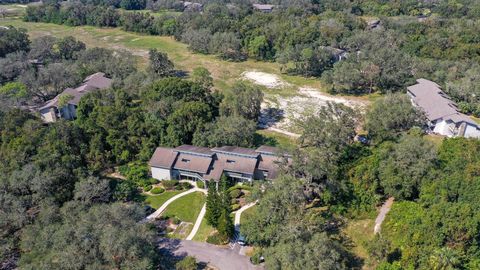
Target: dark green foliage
(92, 190)
(217, 239)
(187, 263)
(290, 232)
(235, 193)
(212, 205)
(13, 40)
(392, 115)
(242, 100)
(157, 190)
(225, 131)
(225, 224)
(200, 184)
(125, 191)
(98, 237)
(169, 184)
(160, 65)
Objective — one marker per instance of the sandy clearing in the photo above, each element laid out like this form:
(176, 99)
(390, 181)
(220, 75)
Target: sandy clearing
(280, 114)
(266, 79)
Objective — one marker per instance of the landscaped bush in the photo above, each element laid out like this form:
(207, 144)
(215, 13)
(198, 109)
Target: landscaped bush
(186, 185)
(235, 207)
(217, 239)
(235, 193)
(187, 263)
(233, 201)
(157, 190)
(238, 186)
(147, 188)
(176, 220)
(169, 184)
(200, 184)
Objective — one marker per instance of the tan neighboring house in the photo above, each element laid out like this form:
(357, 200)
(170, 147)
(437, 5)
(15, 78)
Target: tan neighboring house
(206, 164)
(442, 113)
(52, 110)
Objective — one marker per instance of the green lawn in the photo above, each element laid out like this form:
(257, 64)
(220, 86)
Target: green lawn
(268, 137)
(155, 201)
(360, 233)
(187, 207)
(203, 232)
(247, 214)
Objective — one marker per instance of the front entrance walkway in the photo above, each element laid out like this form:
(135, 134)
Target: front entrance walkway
(197, 223)
(168, 202)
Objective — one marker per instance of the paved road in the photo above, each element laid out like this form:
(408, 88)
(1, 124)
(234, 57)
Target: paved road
(222, 258)
(197, 223)
(381, 215)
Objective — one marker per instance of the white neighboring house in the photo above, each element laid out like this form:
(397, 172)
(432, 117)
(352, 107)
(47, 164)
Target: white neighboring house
(51, 110)
(442, 113)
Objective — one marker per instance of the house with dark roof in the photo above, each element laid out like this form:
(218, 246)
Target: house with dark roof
(442, 113)
(54, 109)
(205, 164)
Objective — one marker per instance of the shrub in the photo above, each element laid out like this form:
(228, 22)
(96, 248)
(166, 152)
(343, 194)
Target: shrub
(200, 184)
(185, 185)
(176, 220)
(235, 207)
(147, 188)
(157, 190)
(217, 239)
(179, 187)
(233, 201)
(187, 263)
(169, 184)
(124, 191)
(235, 193)
(255, 259)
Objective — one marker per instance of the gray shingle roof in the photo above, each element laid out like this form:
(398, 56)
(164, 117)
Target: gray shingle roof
(91, 83)
(435, 103)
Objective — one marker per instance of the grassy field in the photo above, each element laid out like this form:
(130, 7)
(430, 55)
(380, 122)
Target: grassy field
(203, 232)
(155, 201)
(360, 233)
(225, 73)
(269, 137)
(187, 207)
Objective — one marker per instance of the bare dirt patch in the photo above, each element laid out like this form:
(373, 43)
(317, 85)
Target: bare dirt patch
(266, 79)
(280, 113)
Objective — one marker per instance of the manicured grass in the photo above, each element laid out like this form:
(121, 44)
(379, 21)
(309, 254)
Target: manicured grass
(273, 138)
(361, 232)
(155, 201)
(247, 214)
(187, 207)
(203, 232)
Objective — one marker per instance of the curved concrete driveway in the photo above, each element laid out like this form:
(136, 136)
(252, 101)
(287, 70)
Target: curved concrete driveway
(223, 259)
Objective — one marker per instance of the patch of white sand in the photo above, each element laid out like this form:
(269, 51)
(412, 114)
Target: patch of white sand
(266, 79)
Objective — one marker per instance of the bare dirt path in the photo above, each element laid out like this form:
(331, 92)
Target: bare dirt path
(382, 214)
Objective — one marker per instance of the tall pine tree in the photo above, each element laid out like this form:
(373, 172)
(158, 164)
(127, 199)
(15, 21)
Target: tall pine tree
(213, 210)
